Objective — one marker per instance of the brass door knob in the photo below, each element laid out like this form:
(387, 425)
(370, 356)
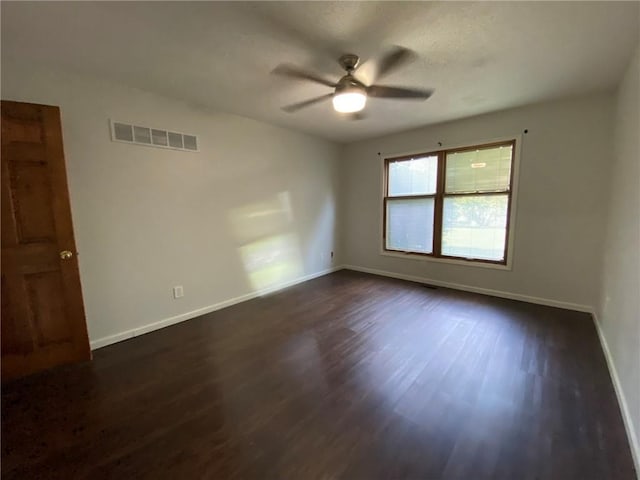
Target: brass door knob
(66, 254)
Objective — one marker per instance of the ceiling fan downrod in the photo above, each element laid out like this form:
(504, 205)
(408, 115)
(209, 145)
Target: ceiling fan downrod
(349, 62)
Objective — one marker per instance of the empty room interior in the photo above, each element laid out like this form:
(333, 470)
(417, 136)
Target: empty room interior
(320, 240)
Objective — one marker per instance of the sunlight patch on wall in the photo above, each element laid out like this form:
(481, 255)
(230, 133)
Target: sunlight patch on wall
(268, 247)
(271, 261)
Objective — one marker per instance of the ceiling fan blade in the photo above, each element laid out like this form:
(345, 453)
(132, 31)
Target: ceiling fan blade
(394, 59)
(299, 74)
(297, 106)
(388, 91)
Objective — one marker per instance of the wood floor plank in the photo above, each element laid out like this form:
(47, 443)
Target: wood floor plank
(349, 376)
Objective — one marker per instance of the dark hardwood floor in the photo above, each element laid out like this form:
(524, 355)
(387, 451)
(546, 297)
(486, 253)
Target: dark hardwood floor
(349, 376)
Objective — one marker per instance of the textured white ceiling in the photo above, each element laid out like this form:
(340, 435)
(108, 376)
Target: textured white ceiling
(479, 56)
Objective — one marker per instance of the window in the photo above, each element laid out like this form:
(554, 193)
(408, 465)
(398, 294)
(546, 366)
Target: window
(450, 204)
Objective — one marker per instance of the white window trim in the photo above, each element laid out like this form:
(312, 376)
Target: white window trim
(512, 214)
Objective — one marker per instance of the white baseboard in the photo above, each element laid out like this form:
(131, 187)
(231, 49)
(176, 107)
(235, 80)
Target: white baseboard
(632, 436)
(469, 288)
(150, 327)
(134, 332)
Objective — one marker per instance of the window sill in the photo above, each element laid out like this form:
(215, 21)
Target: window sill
(451, 261)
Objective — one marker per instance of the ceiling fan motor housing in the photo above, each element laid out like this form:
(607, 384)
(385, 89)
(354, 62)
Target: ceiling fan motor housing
(349, 83)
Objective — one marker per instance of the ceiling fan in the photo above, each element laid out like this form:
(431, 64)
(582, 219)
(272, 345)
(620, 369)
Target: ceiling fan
(350, 94)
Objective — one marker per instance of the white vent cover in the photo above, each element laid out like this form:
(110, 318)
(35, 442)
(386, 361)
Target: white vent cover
(152, 137)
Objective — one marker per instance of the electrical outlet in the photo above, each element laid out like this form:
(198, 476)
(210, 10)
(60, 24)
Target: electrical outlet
(178, 291)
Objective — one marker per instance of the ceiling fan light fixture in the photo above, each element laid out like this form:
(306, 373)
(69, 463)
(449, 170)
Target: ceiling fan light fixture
(349, 101)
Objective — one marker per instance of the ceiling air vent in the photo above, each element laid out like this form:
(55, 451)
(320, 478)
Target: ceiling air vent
(152, 137)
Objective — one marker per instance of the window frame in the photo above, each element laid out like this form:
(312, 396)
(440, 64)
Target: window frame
(439, 196)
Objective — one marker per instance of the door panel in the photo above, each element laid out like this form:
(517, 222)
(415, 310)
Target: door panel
(43, 321)
(46, 304)
(30, 198)
(15, 340)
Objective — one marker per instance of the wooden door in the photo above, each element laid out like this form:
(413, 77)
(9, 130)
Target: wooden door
(43, 322)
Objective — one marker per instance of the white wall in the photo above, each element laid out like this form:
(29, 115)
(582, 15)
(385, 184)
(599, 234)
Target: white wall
(619, 313)
(147, 219)
(564, 166)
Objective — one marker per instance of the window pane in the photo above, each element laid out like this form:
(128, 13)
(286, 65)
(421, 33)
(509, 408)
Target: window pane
(479, 170)
(413, 177)
(410, 225)
(475, 226)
